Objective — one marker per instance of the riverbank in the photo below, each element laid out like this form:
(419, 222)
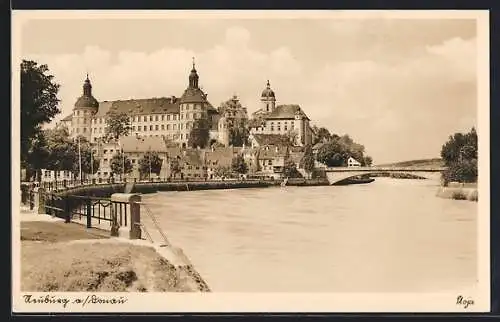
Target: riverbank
(459, 191)
(67, 257)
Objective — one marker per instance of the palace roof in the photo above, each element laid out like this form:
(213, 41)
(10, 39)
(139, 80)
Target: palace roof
(286, 112)
(271, 139)
(161, 105)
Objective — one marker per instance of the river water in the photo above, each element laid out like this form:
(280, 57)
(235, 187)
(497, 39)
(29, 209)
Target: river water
(387, 236)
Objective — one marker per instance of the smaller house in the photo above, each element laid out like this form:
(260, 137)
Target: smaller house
(135, 147)
(218, 157)
(193, 165)
(272, 160)
(351, 162)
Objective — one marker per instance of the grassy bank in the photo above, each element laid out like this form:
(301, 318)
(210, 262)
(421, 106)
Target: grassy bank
(459, 192)
(70, 258)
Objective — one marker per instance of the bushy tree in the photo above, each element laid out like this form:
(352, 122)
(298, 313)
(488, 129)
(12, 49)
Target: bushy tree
(460, 156)
(150, 163)
(38, 156)
(321, 134)
(290, 169)
(223, 171)
(62, 150)
(239, 165)
(120, 164)
(117, 125)
(39, 105)
(199, 134)
(367, 161)
(239, 134)
(337, 151)
(307, 161)
(175, 167)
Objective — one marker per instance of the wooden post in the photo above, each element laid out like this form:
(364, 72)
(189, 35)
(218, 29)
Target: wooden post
(41, 200)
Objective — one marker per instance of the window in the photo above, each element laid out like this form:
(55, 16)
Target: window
(168, 117)
(100, 120)
(181, 126)
(174, 126)
(182, 116)
(105, 151)
(133, 128)
(133, 161)
(144, 118)
(151, 128)
(156, 117)
(77, 130)
(151, 118)
(156, 127)
(181, 136)
(100, 130)
(163, 127)
(175, 117)
(270, 162)
(145, 128)
(163, 117)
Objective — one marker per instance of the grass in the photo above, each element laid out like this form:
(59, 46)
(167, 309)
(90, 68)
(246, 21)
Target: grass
(458, 195)
(51, 261)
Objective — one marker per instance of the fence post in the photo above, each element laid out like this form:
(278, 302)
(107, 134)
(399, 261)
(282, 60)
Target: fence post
(41, 200)
(89, 212)
(24, 194)
(67, 210)
(133, 201)
(32, 197)
(115, 227)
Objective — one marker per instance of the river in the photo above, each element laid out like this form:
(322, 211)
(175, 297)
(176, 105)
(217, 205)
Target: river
(387, 236)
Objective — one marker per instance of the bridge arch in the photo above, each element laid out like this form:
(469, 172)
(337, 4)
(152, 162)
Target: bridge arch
(335, 177)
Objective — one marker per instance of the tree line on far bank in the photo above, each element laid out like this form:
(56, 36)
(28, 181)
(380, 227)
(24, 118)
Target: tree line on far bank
(460, 156)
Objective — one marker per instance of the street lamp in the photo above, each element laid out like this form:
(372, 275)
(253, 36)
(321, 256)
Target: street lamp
(149, 157)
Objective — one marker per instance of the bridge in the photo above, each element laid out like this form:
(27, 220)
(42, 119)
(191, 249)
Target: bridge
(337, 174)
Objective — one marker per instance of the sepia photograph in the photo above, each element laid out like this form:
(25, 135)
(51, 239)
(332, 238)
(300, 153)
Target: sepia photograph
(250, 161)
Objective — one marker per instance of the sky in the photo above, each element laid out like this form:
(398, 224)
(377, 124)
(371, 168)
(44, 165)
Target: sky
(400, 87)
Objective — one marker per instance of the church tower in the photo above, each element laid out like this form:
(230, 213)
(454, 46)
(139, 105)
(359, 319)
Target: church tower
(268, 100)
(83, 112)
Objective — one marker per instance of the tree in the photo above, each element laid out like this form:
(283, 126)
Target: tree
(117, 125)
(239, 165)
(63, 153)
(368, 161)
(199, 134)
(460, 157)
(291, 137)
(322, 134)
(307, 161)
(290, 169)
(120, 164)
(150, 163)
(39, 103)
(175, 167)
(38, 156)
(239, 134)
(222, 171)
(333, 154)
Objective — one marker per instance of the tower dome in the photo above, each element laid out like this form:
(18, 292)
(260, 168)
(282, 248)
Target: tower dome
(268, 92)
(87, 100)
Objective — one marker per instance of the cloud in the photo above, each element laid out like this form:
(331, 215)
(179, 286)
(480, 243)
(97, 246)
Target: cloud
(381, 103)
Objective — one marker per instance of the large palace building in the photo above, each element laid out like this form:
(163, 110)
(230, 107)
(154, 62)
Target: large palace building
(169, 117)
(172, 118)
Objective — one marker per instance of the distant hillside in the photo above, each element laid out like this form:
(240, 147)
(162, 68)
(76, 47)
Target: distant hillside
(437, 162)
